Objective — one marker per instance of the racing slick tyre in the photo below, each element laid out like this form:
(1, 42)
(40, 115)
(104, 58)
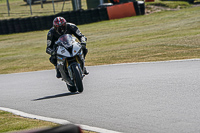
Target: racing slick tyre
(71, 88)
(77, 78)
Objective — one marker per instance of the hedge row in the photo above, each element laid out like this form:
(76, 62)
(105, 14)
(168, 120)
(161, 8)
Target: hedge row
(45, 22)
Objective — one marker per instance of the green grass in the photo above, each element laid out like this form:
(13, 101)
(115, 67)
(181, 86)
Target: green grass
(170, 4)
(10, 122)
(19, 8)
(13, 123)
(166, 35)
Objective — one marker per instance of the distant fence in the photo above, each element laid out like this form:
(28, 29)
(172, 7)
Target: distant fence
(46, 22)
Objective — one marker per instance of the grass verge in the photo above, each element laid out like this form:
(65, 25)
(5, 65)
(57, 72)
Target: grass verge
(166, 35)
(10, 122)
(170, 4)
(13, 123)
(19, 8)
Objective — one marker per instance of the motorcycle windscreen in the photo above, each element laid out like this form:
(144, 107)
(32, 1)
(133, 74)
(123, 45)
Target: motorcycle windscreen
(67, 40)
(71, 47)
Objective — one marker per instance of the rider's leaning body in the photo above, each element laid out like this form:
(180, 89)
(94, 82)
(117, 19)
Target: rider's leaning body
(60, 27)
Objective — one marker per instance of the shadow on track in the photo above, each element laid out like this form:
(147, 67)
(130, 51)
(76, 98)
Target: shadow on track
(56, 96)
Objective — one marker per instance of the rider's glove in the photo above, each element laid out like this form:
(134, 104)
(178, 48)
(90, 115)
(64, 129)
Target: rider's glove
(83, 44)
(83, 39)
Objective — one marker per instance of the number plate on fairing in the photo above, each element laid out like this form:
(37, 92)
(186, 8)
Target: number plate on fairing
(62, 51)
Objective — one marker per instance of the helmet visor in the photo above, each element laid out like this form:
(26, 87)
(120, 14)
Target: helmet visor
(61, 29)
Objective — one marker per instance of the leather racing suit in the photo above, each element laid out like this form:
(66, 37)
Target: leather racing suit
(53, 36)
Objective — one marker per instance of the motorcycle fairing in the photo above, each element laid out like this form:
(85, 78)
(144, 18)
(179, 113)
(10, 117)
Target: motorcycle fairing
(70, 51)
(68, 46)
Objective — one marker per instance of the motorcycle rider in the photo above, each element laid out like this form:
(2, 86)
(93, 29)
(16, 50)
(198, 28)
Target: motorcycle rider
(60, 27)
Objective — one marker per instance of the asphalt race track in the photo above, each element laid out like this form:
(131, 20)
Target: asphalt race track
(156, 97)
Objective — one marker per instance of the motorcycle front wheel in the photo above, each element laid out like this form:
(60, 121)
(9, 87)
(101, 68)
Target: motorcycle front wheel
(77, 78)
(71, 88)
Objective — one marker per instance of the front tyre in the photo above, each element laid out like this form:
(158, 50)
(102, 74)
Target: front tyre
(77, 78)
(71, 88)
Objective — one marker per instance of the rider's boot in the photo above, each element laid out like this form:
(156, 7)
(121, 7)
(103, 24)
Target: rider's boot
(85, 71)
(85, 51)
(58, 75)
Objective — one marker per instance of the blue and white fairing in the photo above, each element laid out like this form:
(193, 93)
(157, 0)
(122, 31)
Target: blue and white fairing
(69, 47)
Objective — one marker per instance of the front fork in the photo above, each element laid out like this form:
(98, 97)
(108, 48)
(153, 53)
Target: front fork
(74, 63)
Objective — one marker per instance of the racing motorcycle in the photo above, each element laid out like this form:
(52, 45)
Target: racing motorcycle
(70, 62)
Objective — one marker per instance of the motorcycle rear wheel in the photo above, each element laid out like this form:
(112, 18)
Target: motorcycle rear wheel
(77, 78)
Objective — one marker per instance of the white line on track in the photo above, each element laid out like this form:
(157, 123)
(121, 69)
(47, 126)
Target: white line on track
(58, 121)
